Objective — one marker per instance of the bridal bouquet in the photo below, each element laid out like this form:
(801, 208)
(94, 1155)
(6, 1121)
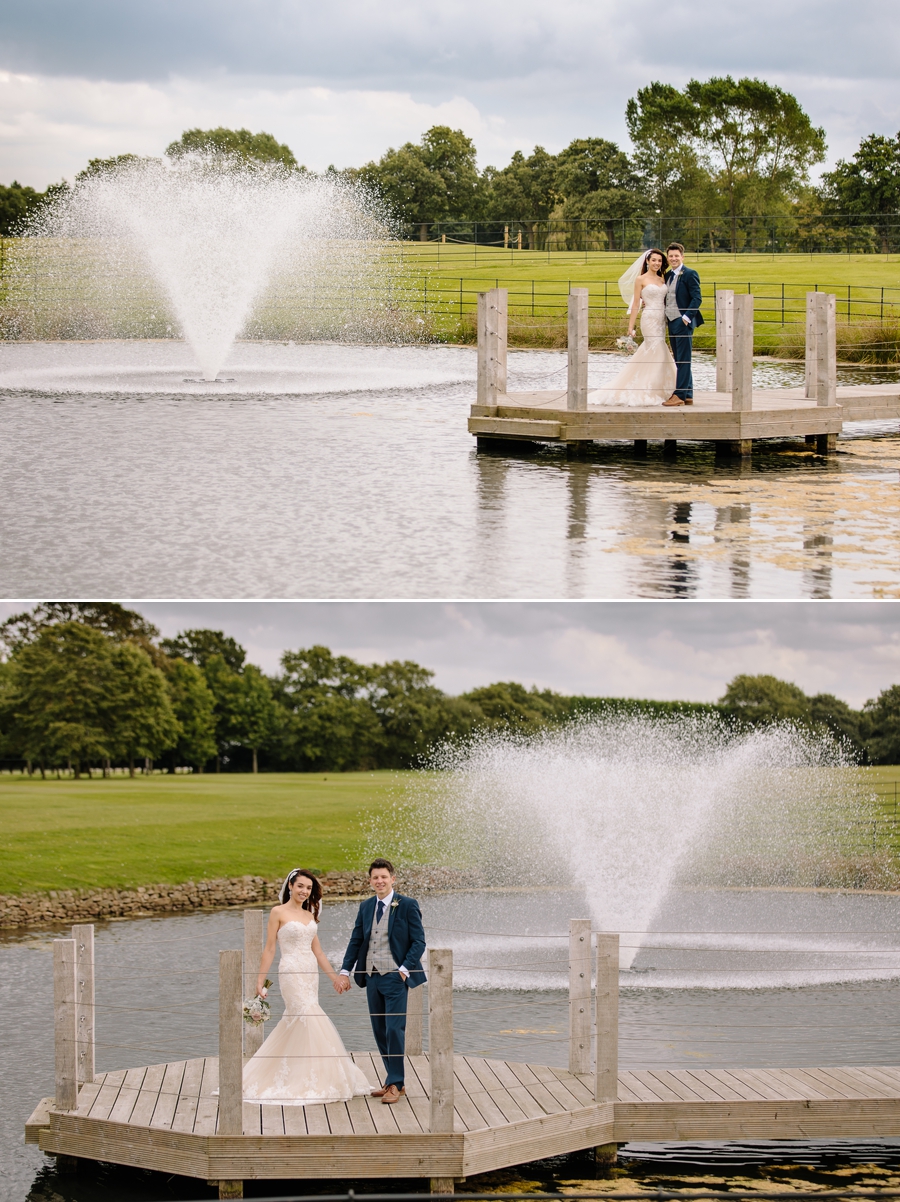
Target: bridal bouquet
(257, 1010)
(626, 344)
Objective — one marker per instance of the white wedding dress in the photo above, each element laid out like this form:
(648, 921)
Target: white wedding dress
(649, 375)
(303, 1060)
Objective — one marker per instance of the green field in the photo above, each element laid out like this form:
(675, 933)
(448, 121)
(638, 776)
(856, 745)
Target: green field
(442, 282)
(64, 834)
(162, 829)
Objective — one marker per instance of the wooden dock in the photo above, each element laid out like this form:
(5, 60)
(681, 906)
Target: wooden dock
(164, 1117)
(461, 1115)
(733, 417)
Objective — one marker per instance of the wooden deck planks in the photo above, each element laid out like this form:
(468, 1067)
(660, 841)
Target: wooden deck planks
(150, 1116)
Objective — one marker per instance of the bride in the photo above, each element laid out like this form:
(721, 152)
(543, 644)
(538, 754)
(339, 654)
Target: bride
(303, 1060)
(649, 375)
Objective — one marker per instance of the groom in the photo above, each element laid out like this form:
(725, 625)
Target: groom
(385, 954)
(683, 300)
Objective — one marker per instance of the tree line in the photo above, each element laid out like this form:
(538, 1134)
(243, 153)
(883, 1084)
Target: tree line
(717, 148)
(92, 685)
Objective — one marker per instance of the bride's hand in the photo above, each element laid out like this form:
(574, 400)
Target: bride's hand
(261, 990)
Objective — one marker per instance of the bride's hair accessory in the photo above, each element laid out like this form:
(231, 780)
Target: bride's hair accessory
(257, 1010)
(314, 902)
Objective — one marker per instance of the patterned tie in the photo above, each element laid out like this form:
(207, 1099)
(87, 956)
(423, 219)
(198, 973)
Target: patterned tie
(379, 910)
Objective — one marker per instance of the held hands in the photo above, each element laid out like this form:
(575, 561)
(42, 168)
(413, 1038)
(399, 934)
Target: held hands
(341, 984)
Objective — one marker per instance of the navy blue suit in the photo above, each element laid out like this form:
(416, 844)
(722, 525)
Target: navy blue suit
(386, 993)
(689, 298)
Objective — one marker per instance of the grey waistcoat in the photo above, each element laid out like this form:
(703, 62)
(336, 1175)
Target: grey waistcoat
(672, 310)
(378, 956)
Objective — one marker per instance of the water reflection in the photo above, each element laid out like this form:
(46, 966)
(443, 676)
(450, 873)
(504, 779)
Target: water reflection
(378, 491)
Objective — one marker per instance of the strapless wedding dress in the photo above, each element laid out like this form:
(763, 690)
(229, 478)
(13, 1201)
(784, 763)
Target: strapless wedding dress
(649, 375)
(303, 1060)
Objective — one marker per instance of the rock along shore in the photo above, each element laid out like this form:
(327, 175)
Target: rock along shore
(88, 905)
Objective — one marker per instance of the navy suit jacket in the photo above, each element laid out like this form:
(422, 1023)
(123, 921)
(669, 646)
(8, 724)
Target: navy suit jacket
(406, 937)
(688, 296)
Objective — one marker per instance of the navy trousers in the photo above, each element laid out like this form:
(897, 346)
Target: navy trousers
(681, 339)
(386, 995)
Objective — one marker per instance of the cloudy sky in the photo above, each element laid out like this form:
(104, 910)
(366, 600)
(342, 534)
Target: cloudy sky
(339, 82)
(663, 650)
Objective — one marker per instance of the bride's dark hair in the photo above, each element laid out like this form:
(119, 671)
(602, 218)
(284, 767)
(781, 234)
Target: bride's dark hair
(314, 902)
(656, 251)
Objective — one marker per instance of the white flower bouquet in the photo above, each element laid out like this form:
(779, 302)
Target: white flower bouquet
(256, 1009)
(627, 344)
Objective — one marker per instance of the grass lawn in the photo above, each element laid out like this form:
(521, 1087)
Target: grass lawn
(442, 282)
(167, 829)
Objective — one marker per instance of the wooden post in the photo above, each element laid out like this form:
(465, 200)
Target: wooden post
(414, 1007)
(576, 397)
(724, 340)
(826, 349)
(493, 323)
(83, 934)
(607, 1002)
(231, 1066)
(742, 357)
(440, 1049)
(579, 995)
(254, 928)
(810, 354)
(65, 1036)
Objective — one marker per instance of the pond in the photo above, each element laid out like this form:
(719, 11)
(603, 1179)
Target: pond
(326, 471)
(736, 978)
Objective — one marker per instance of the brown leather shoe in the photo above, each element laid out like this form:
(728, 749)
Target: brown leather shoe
(378, 1093)
(392, 1094)
(674, 400)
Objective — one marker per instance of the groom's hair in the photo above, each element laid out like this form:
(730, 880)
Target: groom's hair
(675, 246)
(382, 864)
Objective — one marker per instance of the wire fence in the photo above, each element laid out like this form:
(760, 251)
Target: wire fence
(840, 233)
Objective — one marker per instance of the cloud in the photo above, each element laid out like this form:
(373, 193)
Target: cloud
(341, 82)
(662, 650)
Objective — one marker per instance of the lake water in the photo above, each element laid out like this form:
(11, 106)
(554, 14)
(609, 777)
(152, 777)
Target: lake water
(325, 471)
(725, 979)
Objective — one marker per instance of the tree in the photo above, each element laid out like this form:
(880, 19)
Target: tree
(255, 714)
(194, 708)
(414, 715)
(199, 646)
(753, 138)
(869, 184)
(508, 705)
(435, 180)
(108, 617)
(599, 185)
(239, 143)
(141, 719)
(881, 726)
(660, 122)
(59, 704)
(330, 723)
(102, 166)
(524, 191)
(759, 699)
(836, 716)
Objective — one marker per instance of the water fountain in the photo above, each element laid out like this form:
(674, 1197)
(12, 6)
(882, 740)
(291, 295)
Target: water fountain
(203, 248)
(679, 833)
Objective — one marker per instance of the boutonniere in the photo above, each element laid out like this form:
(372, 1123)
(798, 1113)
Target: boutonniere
(394, 905)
